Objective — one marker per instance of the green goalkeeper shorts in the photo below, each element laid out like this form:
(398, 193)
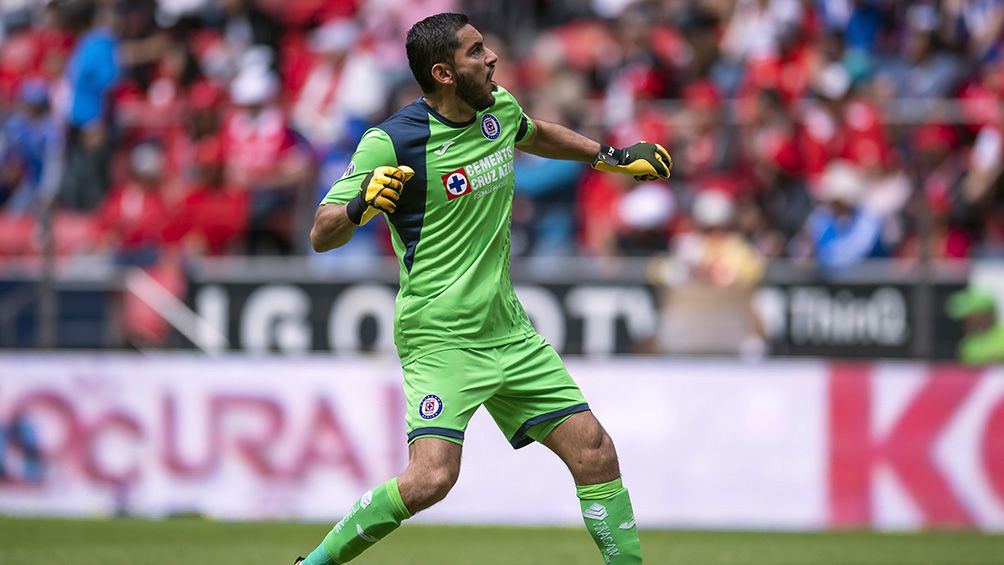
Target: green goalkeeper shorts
(523, 385)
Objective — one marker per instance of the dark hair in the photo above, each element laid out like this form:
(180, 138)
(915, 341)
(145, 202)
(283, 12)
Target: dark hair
(430, 41)
(78, 15)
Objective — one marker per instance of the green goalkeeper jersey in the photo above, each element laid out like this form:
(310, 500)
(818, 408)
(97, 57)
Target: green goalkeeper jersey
(451, 228)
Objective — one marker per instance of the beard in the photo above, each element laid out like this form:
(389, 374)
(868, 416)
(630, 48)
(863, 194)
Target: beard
(475, 93)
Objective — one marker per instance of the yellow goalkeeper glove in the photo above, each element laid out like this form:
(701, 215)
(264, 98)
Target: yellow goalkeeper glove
(379, 192)
(643, 161)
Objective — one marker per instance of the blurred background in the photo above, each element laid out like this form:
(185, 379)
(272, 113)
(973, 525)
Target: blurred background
(818, 289)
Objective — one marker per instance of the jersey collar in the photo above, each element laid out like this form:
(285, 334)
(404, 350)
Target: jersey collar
(446, 121)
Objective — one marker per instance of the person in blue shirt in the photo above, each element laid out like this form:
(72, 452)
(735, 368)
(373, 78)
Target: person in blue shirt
(841, 231)
(33, 141)
(93, 69)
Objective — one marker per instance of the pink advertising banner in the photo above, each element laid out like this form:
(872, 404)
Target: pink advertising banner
(708, 444)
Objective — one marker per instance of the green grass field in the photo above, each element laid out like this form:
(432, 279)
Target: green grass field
(198, 542)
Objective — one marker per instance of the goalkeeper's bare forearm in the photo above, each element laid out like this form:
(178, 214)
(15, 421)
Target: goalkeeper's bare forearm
(332, 227)
(334, 224)
(643, 161)
(555, 141)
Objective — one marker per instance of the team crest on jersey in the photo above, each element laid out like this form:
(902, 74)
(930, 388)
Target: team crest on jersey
(456, 184)
(430, 407)
(491, 127)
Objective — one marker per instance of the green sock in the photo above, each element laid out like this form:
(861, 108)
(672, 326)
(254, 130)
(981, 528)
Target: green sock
(609, 518)
(378, 513)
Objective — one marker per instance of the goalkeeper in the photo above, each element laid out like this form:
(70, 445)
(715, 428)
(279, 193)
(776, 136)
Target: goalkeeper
(441, 172)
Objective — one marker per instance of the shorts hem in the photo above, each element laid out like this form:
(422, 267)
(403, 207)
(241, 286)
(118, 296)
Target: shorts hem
(520, 439)
(455, 435)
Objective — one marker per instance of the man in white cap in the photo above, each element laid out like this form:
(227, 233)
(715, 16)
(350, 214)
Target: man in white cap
(263, 157)
(330, 99)
(841, 231)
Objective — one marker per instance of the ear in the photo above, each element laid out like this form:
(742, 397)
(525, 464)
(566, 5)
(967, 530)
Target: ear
(443, 73)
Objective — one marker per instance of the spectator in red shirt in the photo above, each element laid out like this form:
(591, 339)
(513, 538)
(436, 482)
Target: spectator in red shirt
(212, 219)
(262, 154)
(980, 98)
(135, 216)
(944, 220)
(151, 110)
(200, 119)
(329, 105)
(706, 144)
(822, 131)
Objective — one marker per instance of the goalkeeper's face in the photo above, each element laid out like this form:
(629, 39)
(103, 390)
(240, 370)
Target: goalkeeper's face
(474, 65)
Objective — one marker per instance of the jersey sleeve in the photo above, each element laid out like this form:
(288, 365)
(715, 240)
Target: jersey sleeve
(524, 125)
(526, 128)
(375, 149)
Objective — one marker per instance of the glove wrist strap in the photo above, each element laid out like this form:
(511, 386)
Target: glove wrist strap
(609, 155)
(354, 209)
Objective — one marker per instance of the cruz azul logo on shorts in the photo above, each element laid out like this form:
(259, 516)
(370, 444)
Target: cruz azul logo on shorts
(490, 127)
(457, 184)
(430, 407)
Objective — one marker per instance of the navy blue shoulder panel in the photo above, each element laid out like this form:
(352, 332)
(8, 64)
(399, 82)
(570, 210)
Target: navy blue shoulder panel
(408, 130)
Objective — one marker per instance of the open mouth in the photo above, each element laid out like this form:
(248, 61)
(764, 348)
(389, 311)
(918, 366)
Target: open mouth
(491, 72)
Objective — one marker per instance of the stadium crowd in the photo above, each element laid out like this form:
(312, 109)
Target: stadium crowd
(828, 131)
